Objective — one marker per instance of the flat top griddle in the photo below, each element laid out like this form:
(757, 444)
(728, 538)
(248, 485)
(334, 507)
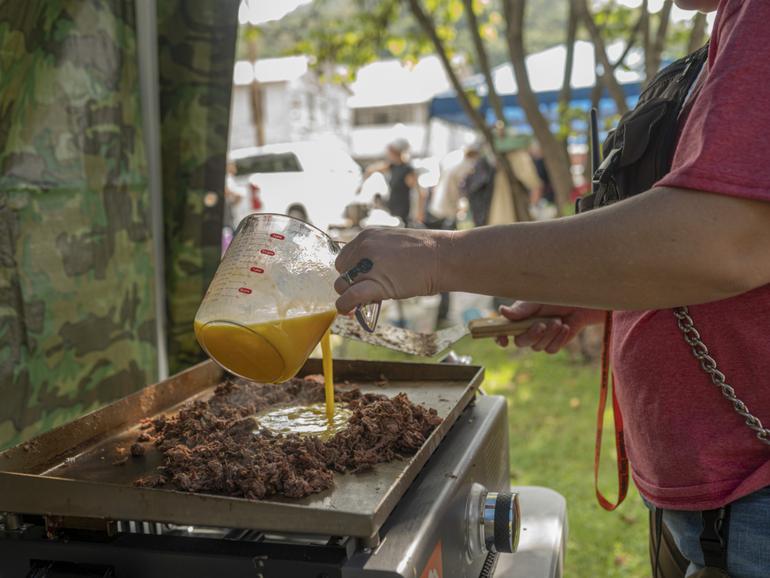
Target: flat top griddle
(69, 471)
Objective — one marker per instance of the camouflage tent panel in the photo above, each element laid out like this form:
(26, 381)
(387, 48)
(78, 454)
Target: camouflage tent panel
(196, 52)
(77, 326)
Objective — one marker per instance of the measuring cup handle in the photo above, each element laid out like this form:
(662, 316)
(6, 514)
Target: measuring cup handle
(368, 315)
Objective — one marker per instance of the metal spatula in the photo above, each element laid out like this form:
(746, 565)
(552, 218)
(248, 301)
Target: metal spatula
(430, 344)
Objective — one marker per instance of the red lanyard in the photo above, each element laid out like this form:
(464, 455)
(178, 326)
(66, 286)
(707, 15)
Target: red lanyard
(620, 445)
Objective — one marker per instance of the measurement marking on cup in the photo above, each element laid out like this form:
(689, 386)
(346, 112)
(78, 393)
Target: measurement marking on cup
(257, 270)
(267, 252)
(277, 236)
(244, 290)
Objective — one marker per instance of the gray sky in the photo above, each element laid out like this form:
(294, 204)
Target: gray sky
(260, 11)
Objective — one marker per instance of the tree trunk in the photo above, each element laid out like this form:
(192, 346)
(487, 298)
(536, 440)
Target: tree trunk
(645, 16)
(698, 34)
(655, 54)
(565, 95)
(256, 94)
(486, 69)
(556, 160)
(598, 87)
(520, 196)
(616, 91)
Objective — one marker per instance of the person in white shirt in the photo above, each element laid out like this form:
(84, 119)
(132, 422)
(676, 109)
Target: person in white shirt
(445, 202)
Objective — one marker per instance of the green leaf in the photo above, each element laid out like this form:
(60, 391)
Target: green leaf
(396, 46)
(455, 10)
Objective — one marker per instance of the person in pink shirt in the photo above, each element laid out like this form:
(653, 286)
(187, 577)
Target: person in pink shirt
(699, 237)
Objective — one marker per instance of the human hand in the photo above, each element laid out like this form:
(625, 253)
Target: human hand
(404, 263)
(552, 335)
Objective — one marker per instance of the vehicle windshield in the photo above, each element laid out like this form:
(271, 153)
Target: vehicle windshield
(268, 163)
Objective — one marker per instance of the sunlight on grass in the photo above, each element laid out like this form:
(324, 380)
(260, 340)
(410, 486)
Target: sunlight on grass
(552, 416)
(499, 380)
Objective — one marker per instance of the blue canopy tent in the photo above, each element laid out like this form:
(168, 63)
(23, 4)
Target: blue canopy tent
(447, 107)
(546, 71)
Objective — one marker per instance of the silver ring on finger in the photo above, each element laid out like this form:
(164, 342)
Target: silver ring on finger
(363, 266)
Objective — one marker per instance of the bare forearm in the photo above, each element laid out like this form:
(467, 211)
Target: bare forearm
(377, 167)
(664, 248)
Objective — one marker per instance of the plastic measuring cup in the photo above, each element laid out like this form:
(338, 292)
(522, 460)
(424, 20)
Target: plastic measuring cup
(272, 299)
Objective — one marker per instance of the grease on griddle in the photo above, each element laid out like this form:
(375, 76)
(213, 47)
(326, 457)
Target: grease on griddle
(121, 457)
(308, 419)
(211, 446)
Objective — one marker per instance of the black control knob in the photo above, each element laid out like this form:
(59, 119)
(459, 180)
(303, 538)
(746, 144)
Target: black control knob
(501, 520)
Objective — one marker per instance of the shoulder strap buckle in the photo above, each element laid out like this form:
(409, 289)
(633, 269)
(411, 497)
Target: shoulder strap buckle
(603, 173)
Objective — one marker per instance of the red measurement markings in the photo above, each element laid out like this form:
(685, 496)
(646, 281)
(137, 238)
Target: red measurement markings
(267, 252)
(257, 270)
(277, 236)
(245, 290)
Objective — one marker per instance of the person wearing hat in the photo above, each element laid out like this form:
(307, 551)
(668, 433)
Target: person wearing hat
(402, 180)
(678, 271)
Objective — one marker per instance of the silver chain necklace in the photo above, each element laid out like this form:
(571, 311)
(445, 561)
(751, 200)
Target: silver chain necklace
(709, 365)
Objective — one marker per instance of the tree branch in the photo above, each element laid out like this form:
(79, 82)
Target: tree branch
(486, 69)
(645, 16)
(517, 190)
(596, 93)
(629, 43)
(426, 24)
(556, 161)
(601, 51)
(565, 95)
(653, 59)
(698, 34)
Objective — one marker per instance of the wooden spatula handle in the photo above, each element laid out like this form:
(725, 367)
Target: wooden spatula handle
(497, 326)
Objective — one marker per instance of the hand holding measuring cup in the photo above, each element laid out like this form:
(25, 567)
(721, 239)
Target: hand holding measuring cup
(271, 299)
(388, 263)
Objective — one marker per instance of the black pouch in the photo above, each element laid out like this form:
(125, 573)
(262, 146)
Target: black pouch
(639, 151)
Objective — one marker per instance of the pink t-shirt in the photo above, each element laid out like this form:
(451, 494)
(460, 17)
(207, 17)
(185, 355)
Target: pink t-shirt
(688, 448)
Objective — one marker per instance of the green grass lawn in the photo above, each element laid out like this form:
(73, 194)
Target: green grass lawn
(552, 412)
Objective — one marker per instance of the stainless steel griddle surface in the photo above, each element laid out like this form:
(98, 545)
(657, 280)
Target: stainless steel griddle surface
(69, 471)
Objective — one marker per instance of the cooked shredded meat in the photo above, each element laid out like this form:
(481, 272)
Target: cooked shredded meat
(137, 450)
(212, 446)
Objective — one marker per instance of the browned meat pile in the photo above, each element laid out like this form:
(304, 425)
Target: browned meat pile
(210, 446)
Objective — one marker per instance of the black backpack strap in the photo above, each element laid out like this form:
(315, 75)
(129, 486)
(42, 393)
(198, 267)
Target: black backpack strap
(713, 539)
(639, 151)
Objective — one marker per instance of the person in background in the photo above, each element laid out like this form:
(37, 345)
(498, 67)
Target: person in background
(445, 202)
(501, 211)
(478, 187)
(444, 205)
(402, 180)
(545, 192)
(234, 195)
(379, 216)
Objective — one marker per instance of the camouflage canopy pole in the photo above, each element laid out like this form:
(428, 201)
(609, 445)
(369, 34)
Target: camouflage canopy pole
(77, 324)
(196, 47)
(149, 89)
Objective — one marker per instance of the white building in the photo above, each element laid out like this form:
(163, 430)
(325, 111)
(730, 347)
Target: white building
(296, 105)
(387, 100)
(390, 100)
